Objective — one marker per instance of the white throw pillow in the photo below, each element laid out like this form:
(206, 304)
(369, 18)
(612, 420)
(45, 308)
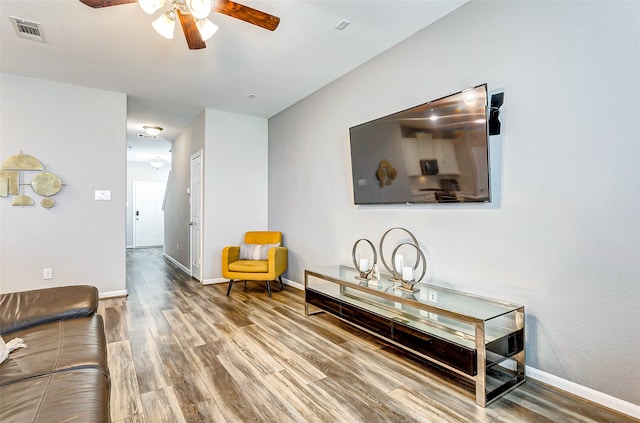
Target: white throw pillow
(256, 251)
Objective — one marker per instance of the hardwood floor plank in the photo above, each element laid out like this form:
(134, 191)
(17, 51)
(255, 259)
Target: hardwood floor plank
(302, 397)
(158, 324)
(190, 392)
(291, 361)
(125, 395)
(207, 411)
(182, 328)
(148, 364)
(229, 396)
(116, 330)
(137, 418)
(162, 406)
(180, 351)
(172, 353)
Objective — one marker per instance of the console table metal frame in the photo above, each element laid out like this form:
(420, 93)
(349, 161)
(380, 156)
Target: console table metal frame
(482, 396)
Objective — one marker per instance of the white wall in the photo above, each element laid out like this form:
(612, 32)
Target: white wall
(140, 171)
(563, 236)
(79, 134)
(235, 183)
(177, 213)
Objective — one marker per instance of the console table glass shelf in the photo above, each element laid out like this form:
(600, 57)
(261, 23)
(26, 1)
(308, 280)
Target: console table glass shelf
(481, 339)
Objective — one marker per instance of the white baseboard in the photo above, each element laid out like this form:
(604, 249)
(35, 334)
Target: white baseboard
(214, 280)
(584, 392)
(113, 294)
(177, 263)
(293, 284)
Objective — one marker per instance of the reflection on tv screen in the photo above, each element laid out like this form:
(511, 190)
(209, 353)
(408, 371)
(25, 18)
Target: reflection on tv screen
(436, 152)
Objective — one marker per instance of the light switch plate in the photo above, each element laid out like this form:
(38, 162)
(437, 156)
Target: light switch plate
(103, 195)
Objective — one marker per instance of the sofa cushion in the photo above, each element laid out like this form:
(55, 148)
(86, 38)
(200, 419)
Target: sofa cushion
(249, 266)
(80, 395)
(56, 347)
(20, 310)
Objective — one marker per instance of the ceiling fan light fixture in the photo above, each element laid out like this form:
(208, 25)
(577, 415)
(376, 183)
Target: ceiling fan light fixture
(154, 131)
(150, 6)
(206, 28)
(165, 25)
(200, 9)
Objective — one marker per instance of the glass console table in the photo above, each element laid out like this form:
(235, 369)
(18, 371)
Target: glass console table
(479, 338)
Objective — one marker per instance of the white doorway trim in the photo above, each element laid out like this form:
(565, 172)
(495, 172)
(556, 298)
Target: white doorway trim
(195, 214)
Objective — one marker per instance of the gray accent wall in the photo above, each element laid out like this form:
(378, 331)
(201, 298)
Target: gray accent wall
(563, 235)
(80, 135)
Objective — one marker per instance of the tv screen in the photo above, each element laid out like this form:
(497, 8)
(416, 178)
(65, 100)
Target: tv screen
(436, 152)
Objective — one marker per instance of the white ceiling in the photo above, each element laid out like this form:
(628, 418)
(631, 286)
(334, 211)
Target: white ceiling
(116, 49)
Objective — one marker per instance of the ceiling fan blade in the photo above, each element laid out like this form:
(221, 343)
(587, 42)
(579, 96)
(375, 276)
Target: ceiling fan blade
(106, 3)
(191, 32)
(247, 14)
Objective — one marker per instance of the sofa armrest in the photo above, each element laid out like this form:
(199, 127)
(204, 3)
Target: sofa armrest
(19, 310)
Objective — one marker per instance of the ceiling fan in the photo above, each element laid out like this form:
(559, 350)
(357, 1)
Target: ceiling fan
(192, 15)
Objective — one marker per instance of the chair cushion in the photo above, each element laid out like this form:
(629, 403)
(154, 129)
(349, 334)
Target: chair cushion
(255, 251)
(249, 266)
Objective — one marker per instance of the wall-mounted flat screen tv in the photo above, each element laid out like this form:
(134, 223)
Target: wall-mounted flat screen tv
(437, 152)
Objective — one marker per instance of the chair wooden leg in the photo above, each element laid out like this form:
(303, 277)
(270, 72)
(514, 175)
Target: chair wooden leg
(230, 285)
(269, 288)
(281, 284)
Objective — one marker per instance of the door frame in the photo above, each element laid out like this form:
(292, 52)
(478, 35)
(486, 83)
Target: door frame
(197, 155)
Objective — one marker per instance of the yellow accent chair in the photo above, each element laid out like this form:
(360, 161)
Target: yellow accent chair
(261, 257)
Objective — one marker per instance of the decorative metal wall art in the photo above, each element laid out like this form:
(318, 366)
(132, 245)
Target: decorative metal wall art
(22, 162)
(46, 184)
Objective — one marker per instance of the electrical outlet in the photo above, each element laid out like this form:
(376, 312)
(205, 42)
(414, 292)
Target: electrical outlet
(433, 296)
(178, 247)
(47, 273)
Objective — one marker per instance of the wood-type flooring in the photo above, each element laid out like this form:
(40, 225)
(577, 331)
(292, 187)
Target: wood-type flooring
(182, 352)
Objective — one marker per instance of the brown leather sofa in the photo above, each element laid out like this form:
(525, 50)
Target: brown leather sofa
(62, 375)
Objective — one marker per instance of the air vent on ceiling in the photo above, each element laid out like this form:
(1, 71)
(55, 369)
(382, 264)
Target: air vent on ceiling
(28, 29)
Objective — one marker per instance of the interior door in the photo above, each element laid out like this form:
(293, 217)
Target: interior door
(148, 217)
(196, 214)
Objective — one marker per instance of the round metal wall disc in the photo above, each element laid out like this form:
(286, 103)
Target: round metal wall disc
(46, 183)
(47, 203)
